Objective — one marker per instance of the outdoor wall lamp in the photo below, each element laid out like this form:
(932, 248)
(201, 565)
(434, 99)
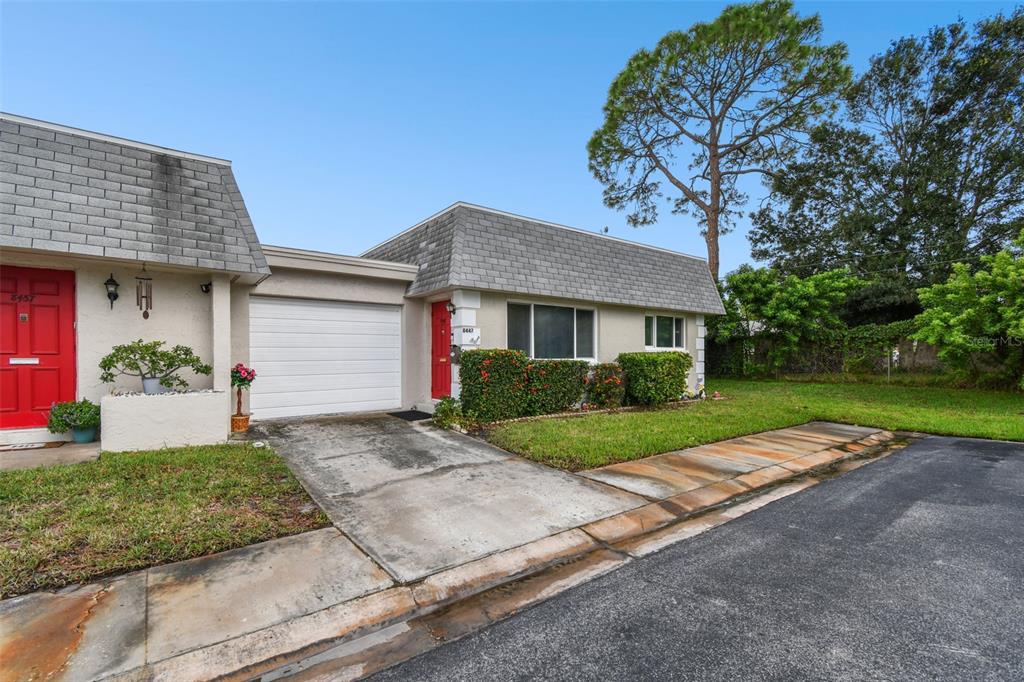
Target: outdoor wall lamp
(111, 285)
(205, 288)
(450, 307)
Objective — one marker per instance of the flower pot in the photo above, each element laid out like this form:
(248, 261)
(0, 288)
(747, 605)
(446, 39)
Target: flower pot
(152, 386)
(85, 434)
(239, 423)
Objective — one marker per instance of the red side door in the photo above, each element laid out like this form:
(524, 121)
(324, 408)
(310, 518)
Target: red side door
(37, 343)
(440, 347)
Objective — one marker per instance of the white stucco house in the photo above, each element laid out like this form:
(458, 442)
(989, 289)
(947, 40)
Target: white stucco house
(326, 333)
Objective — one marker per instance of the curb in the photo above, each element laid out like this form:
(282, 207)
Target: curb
(362, 636)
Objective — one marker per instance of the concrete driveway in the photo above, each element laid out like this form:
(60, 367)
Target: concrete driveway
(418, 499)
(906, 569)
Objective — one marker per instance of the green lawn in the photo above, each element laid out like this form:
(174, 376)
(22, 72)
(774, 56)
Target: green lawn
(68, 524)
(594, 440)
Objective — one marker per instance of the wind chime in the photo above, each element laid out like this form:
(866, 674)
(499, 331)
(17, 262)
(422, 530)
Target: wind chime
(144, 292)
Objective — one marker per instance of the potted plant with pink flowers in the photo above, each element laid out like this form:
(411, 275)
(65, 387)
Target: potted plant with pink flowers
(241, 377)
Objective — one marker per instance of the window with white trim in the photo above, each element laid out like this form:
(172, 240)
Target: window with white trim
(664, 331)
(551, 332)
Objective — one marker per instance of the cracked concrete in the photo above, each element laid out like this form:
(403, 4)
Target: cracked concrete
(81, 633)
(420, 500)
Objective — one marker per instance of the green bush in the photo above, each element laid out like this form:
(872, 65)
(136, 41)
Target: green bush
(606, 387)
(447, 413)
(655, 378)
(504, 384)
(81, 414)
(493, 384)
(554, 385)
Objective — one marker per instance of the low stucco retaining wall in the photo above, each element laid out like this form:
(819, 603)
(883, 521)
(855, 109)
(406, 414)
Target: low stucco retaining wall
(150, 422)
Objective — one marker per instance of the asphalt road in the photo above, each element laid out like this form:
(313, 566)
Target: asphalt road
(909, 568)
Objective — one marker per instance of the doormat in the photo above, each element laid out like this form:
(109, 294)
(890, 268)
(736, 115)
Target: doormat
(30, 446)
(411, 415)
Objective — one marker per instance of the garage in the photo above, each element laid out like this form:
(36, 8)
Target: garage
(322, 357)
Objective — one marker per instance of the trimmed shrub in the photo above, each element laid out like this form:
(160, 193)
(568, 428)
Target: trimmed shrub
(606, 387)
(554, 385)
(504, 384)
(655, 378)
(493, 384)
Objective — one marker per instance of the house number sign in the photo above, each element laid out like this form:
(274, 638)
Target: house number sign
(467, 336)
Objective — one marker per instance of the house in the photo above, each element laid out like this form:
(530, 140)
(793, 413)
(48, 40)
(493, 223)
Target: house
(81, 212)
(548, 290)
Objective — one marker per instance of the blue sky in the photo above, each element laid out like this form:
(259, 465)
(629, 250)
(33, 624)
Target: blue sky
(349, 122)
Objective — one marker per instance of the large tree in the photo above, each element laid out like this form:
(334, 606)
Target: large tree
(926, 170)
(707, 105)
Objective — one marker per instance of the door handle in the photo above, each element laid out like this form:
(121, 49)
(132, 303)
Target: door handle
(24, 361)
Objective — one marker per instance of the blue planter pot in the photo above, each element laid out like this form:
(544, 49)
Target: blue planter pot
(86, 435)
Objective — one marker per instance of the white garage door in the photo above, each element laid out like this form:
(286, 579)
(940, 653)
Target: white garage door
(317, 357)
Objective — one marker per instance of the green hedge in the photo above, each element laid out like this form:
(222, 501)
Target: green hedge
(504, 384)
(606, 387)
(493, 384)
(554, 385)
(655, 378)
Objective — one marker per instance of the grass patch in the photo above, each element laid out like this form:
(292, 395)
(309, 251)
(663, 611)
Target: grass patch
(68, 524)
(576, 443)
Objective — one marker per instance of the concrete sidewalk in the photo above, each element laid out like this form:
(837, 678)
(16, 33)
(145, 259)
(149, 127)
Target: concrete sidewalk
(259, 609)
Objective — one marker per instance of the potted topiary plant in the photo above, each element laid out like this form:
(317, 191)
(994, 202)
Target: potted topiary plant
(150, 361)
(241, 377)
(81, 418)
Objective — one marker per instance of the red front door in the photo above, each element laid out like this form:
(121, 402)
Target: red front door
(440, 347)
(37, 343)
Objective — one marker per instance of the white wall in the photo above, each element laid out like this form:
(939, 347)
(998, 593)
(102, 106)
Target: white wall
(415, 353)
(332, 286)
(151, 422)
(180, 314)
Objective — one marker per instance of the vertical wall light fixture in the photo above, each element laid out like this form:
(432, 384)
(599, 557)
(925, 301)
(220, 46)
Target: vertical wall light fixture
(111, 285)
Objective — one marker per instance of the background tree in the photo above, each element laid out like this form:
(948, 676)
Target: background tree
(977, 318)
(927, 169)
(786, 314)
(707, 105)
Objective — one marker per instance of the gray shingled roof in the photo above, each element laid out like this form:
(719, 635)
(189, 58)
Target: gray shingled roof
(67, 190)
(480, 248)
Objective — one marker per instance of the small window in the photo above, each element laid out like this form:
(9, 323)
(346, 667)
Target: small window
(519, 327)
(664, 331)
(584, 333)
